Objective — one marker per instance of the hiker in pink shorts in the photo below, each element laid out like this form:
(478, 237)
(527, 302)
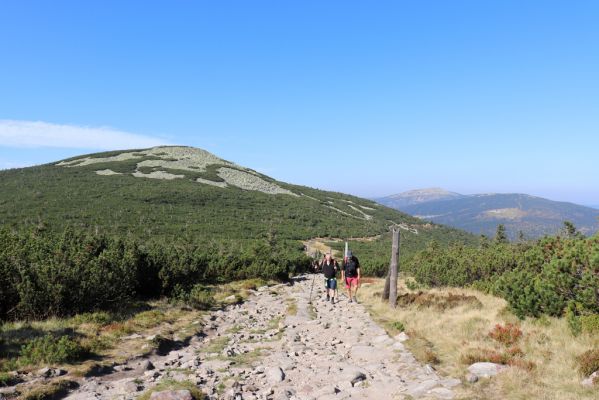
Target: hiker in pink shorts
(350, 274)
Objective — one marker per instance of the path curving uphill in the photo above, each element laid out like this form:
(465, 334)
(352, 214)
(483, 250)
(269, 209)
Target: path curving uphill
(278, 345)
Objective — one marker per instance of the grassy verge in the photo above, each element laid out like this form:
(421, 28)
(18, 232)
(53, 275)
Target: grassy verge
(454, 327)
(167, 384)
(80, 342)
(291, 306)
(53, 390)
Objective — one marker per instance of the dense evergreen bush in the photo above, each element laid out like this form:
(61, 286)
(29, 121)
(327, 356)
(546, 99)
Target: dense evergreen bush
(551, 276)
(46, 274)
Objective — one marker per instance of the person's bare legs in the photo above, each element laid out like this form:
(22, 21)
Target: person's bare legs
(355, 285)
(348, 286)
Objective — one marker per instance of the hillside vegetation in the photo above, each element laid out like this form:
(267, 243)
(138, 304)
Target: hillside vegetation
(554, 276)
(129, 201)
(95, 231)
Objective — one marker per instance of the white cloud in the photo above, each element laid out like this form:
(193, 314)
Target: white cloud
(43, 134)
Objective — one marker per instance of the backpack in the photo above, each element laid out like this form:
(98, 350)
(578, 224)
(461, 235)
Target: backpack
(351, 268)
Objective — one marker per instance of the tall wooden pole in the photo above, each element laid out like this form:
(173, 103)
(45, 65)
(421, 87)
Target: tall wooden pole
(385, 295)
(394, 269)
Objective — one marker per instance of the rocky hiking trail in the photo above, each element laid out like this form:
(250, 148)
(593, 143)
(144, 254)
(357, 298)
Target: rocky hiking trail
(277, 345)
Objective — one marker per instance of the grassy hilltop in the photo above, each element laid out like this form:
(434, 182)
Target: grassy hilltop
(175, 194)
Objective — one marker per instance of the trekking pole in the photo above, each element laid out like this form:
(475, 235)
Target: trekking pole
(311, 287)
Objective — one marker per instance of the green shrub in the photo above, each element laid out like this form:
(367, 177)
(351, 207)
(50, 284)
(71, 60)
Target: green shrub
(100, 318)
(51, 350)
(8, 379)
(590, 324)
(44, 274)
(588, 362)
(201, 298)
(412, 284)
(397, 325)
(540, 278)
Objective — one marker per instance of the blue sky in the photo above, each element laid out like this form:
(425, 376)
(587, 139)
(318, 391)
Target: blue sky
(368, 97)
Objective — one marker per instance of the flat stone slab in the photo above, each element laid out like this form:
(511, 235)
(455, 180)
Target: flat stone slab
(172, 395)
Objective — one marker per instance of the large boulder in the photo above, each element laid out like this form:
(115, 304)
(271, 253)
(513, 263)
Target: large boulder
(486, 369)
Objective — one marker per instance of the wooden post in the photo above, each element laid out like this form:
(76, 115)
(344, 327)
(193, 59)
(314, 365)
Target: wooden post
(385, 295)
(394, 269)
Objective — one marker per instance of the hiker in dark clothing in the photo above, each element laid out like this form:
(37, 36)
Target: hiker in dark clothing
(329, 269)
(350, 274)
(315, 267)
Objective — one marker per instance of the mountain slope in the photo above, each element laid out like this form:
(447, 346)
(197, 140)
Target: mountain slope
(481, 213)
(417, 196)
(178, 194)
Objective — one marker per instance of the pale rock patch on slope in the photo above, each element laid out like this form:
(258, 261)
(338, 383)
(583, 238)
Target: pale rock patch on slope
(173, 157)
(366, 216)
(213, 183)
(107, 172)
(80, 162)
(504, 213)
(183, 158)
(247, 181)
(157, 175)
(343, 212)
(310, 197)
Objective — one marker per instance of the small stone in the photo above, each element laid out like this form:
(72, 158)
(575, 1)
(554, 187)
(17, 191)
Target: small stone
(145, 365)
(274, 375)
(402, 337)
(132, 387)
(132, 337)
(590, 381)
(353, 375)
(51, 372)
(471, 378)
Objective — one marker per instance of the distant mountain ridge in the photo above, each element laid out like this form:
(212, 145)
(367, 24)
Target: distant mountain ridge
(418, 196)
(481, 213)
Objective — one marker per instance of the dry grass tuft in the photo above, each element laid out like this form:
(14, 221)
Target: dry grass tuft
(439, 301)
(291, 306)
(450, 325)
(508, 334)
(588, 362)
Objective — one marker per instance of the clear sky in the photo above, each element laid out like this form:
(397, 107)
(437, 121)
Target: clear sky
(367, 97)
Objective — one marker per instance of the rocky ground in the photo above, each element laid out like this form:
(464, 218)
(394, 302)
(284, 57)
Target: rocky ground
(277, 346)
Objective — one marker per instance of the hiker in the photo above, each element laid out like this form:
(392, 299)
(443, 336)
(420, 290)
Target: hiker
(315, 266)
(329, 269)
(350, 274)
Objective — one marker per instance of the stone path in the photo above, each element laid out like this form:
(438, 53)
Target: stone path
(257, 350)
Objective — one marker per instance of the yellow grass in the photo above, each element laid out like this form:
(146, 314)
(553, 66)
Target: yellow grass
(104, 333)
(447, 335)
